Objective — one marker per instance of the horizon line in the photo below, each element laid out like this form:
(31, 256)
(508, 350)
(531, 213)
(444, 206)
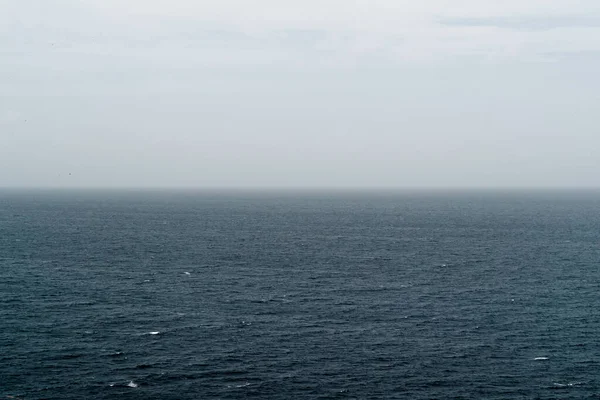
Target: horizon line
(302, 188)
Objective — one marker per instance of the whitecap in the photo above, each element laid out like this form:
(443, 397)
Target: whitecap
(153, 333)
(187, 273)
(244, 385)
(132, 384)
(540, 358)
(565, 385)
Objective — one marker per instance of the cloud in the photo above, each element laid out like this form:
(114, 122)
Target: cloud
(588, 57)
(390, 31)
(527, 23)
(309, 33)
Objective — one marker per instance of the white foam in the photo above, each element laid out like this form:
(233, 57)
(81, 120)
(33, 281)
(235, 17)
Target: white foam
(566, 384)
(241, 386)
(154, 333)
(540, 358)
(132, 384)
(187, 273)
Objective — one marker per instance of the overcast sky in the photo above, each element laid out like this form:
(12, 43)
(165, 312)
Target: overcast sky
(311, 93)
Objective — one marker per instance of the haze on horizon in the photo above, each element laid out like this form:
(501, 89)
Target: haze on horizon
(313, 93)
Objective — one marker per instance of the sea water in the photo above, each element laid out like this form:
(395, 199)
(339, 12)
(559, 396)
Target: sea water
(299, 295)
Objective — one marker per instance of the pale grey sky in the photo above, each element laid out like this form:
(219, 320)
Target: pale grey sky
(312, 93)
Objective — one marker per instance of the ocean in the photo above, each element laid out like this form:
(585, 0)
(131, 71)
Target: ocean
(299, 295)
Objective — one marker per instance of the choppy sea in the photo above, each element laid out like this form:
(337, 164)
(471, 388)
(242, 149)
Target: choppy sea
(299, 295)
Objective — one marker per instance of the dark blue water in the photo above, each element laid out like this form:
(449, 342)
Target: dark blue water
(299, 296)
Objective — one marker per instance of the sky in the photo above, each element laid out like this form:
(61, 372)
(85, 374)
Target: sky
(312, 93)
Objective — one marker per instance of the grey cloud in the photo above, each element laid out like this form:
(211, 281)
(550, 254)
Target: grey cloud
(54, 25)
(579, 56)
(527, 23)
(190, 102)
